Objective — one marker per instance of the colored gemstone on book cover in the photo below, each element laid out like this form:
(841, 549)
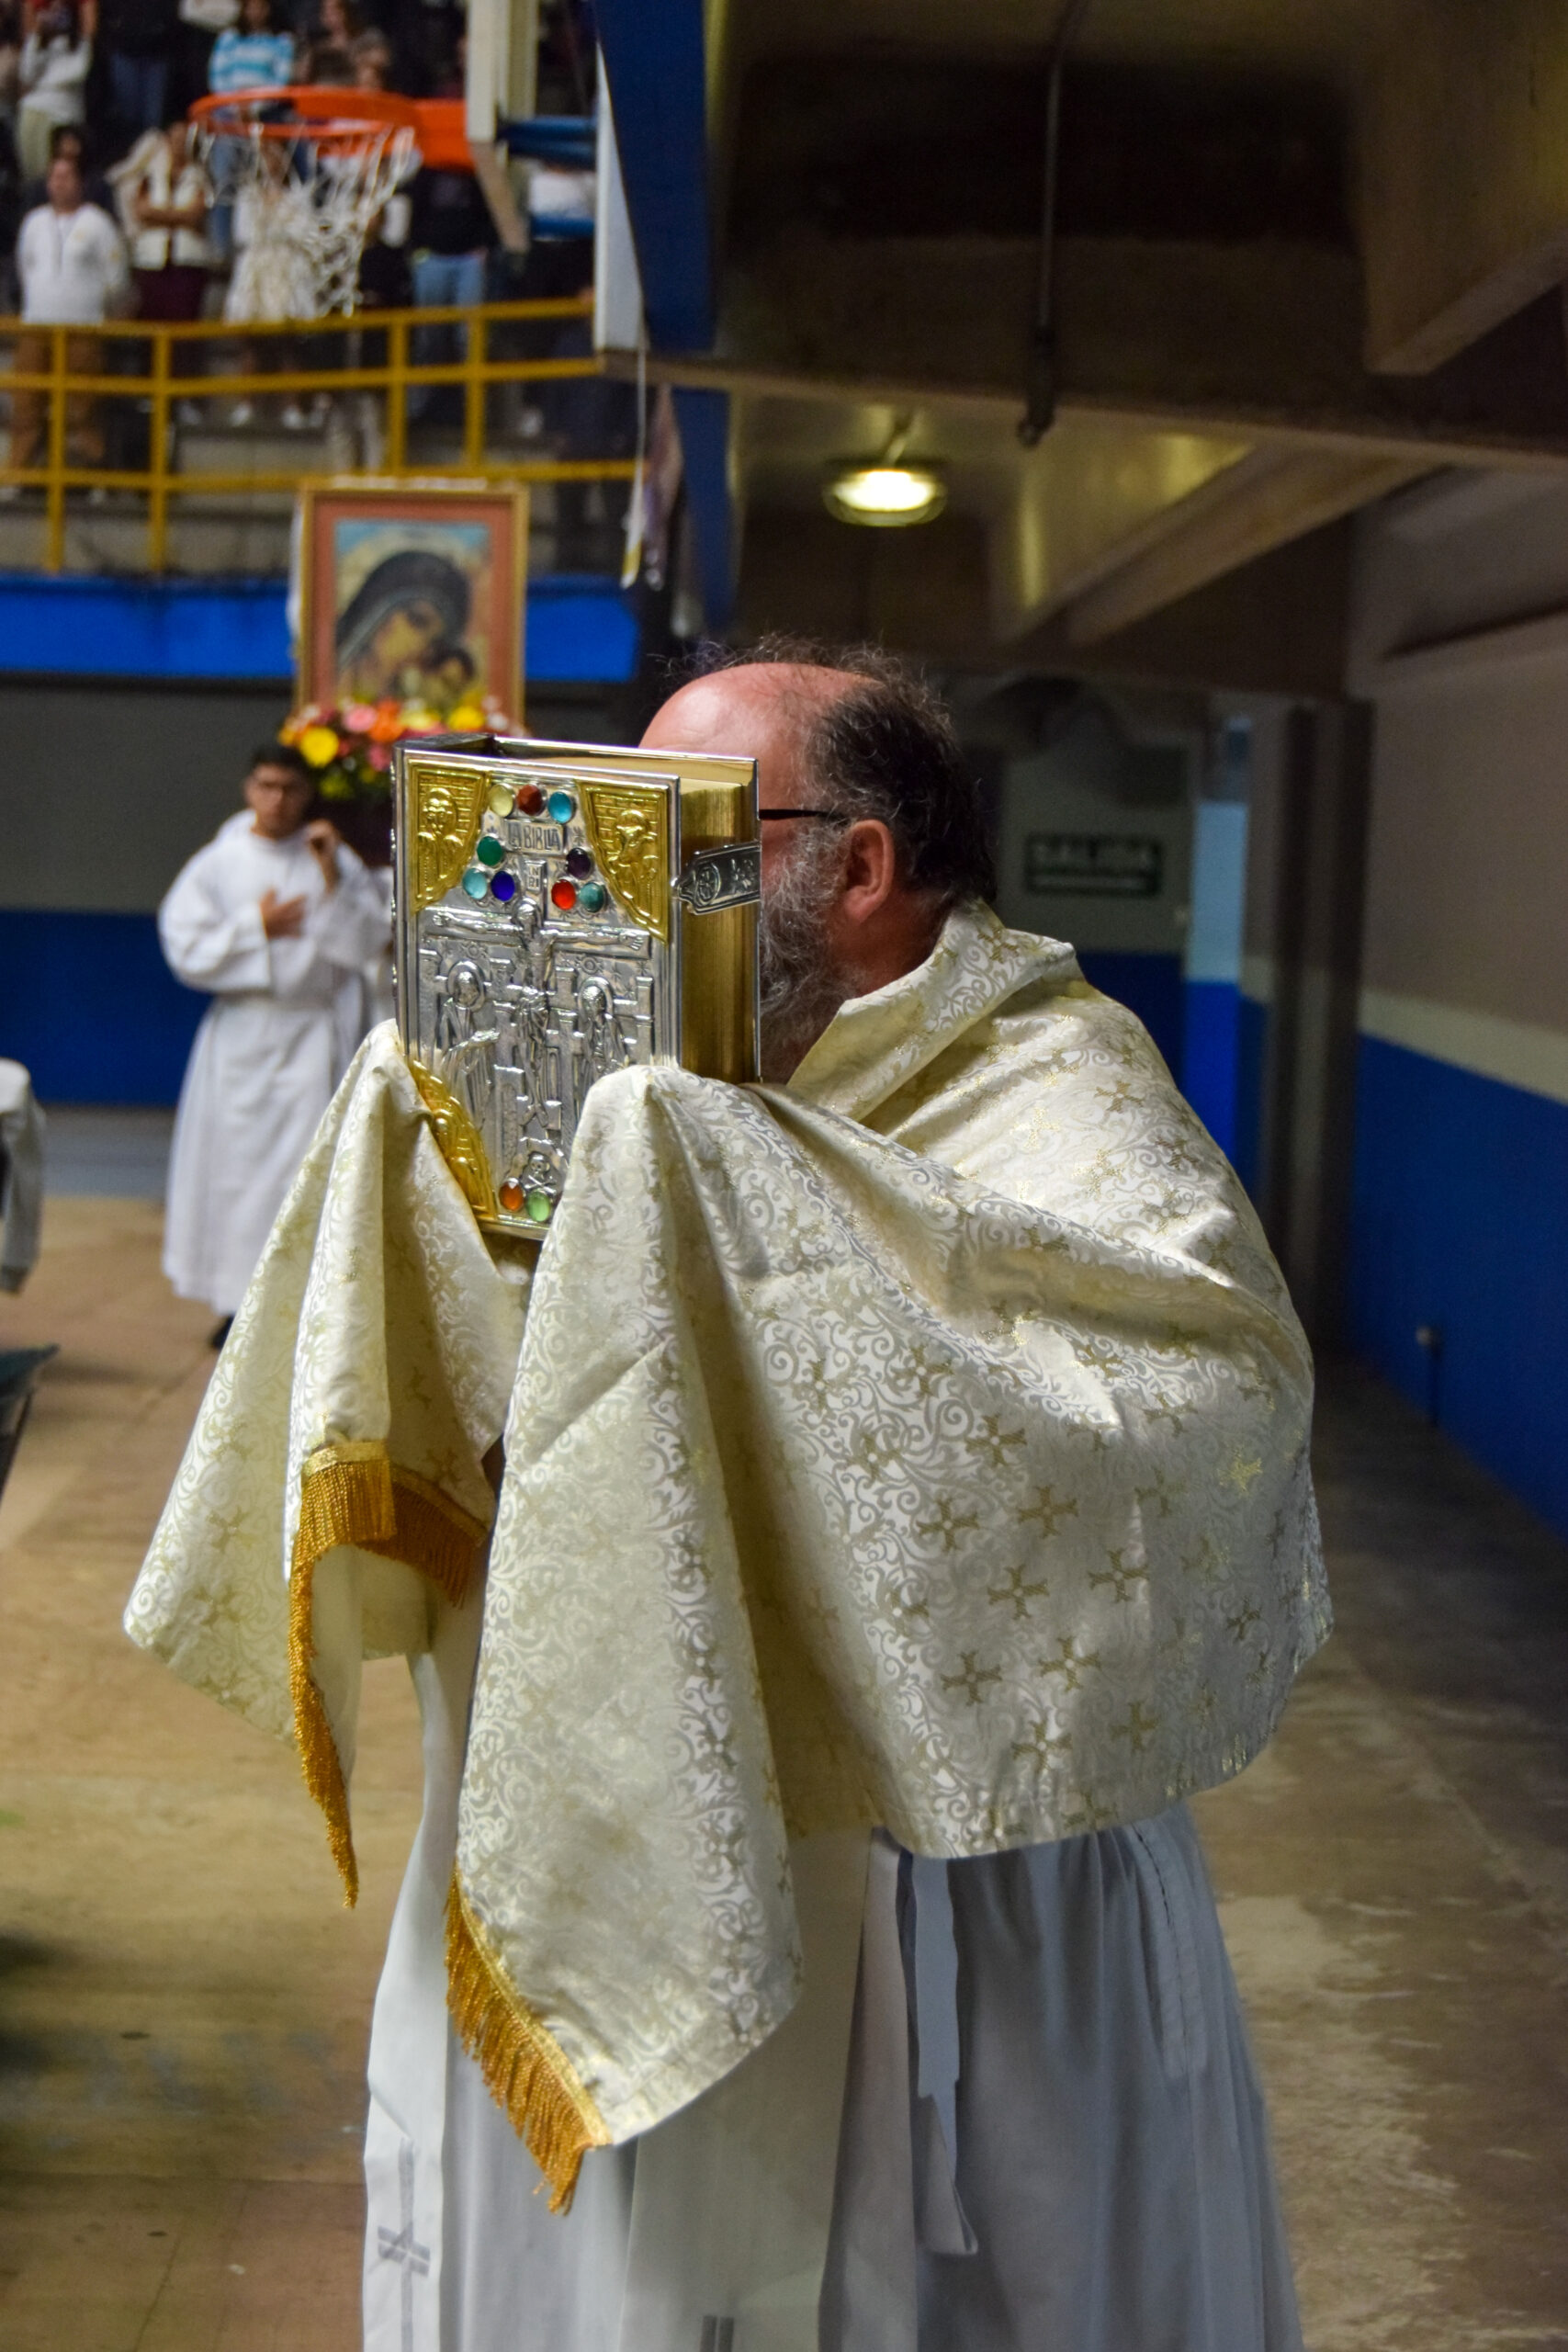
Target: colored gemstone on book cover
(489, 851)
(476, 881)
(562, 808)
(503, 887)
(578, 864)
(563, 894)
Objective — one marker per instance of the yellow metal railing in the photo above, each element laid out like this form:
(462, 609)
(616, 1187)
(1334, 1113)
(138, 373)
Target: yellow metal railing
(399, 374)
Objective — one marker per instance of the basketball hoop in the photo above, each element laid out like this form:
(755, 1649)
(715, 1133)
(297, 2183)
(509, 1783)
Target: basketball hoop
(314, 169)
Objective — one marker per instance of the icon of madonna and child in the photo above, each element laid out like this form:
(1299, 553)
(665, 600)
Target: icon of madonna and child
(412, 595)
(409, 628)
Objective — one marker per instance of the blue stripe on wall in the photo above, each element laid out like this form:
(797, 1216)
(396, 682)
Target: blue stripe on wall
(1211, 1049)
(88, 1003)
(581, 629)
(72, 625)
(1148, 985)
(1459, 1223)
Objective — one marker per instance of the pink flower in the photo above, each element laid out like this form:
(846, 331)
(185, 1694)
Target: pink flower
(360, 717)
(380, 756)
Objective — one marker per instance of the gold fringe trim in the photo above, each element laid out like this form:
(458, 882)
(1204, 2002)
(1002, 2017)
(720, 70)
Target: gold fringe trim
(433, 1533)
(318, 1748)
(350, 1493)
(527, 2073)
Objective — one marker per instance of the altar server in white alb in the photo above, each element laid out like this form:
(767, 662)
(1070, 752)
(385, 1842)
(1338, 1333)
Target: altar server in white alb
(277, 919)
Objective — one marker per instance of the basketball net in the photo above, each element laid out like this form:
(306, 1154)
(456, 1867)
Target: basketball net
(308, 194)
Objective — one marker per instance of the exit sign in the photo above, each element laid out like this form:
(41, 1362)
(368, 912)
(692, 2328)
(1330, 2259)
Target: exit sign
(1094, 865)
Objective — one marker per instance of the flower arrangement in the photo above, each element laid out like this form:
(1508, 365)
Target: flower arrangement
(349, 747)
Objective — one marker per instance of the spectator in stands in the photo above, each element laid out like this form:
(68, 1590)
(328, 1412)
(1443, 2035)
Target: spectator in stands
(256, 54)
(68, 139)
(420, 33)
(162, 197)
(384, 280)
(371, 58)
(452, 236)
(337, 28)
(72, 260)
(201, 22)
(449, 75)
(10, 167)
(139, 38)
(52, 78)
(10, 61)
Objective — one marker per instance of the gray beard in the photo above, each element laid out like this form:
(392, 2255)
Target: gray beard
(801, 990)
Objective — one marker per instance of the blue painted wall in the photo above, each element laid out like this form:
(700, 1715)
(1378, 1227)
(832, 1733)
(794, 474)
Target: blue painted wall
(1460, 1221)
(1148, 985)
(1210, 1056)
(88, 1003)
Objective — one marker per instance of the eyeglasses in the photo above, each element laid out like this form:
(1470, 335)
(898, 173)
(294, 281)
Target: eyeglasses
(828, 816)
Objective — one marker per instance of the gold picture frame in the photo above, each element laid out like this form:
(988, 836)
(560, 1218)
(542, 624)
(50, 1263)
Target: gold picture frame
(395, 576)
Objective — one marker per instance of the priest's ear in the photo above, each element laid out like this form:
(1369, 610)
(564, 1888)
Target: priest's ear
(871, 869)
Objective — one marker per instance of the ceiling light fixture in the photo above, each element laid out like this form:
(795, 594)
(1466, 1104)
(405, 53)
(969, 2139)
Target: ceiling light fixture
(885, 491)
(884, 495)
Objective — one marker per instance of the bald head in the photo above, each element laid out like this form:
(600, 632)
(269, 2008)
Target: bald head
(841, 911)
(760, 710)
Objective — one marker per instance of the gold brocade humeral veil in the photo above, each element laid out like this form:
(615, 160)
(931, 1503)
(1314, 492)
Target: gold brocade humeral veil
(332, 1487)
(923, 1446)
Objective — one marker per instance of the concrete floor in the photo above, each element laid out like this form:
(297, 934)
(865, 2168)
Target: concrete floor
(185, 2004)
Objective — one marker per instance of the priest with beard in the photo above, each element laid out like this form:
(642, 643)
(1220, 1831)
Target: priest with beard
(905, 1508)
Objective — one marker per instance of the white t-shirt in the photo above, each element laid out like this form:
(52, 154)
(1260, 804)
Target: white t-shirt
(72, 266)
(53, 77)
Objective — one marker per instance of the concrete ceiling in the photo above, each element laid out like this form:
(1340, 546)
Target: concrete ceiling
(1305, 251)
(1318, 37)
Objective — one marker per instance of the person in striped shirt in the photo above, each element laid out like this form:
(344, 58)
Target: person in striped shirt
(251, 55)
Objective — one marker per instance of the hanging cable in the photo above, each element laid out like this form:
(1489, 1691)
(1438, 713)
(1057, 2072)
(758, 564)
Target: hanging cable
(1040, 412)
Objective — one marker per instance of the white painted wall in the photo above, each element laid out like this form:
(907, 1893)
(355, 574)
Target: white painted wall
(1460, 637)
(1092, 781)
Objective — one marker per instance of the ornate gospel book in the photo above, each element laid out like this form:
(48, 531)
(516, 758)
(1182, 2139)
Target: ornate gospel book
(561, 910)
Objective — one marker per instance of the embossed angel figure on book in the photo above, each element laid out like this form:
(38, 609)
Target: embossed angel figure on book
(820, 1419)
